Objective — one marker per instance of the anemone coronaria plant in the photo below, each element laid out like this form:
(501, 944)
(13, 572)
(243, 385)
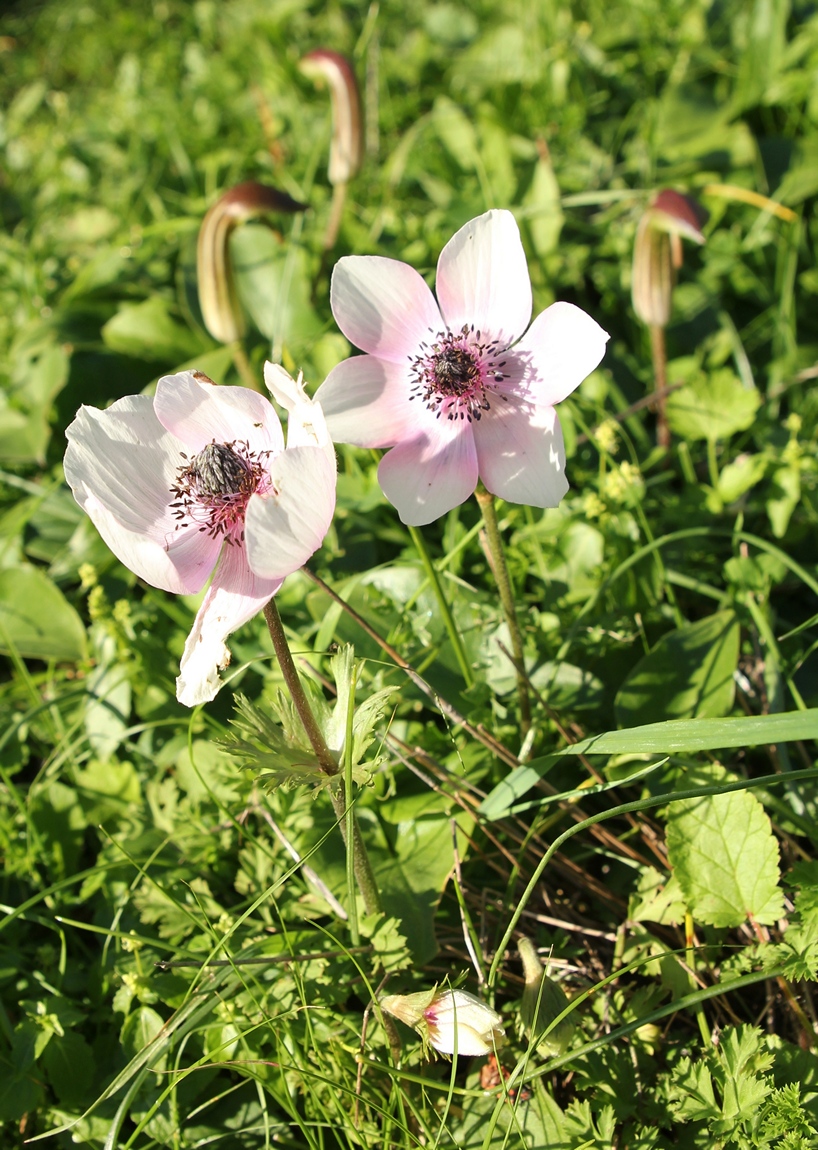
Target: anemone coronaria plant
(458, 387)
(197, 480)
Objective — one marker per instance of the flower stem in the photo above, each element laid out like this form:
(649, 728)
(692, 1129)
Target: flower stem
(659, 355)
(364, 875)
(434, 578)
(498, 561)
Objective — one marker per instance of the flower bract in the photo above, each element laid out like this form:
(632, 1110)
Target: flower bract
(198, 480)
(456, 386)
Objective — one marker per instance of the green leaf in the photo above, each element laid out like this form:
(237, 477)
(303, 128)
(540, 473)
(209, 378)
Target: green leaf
(725, 857)
(659, 738)
(544, 215)
(688, 674)
(108, 702)
(713, 406)
(692, 1096)
(139, 1030)
(786, 494)
(69, 1063)
(148, 331)
(274, 286)
(413, 879)
(456, 132)
(740, 475)
(36, 619)
(23, 438)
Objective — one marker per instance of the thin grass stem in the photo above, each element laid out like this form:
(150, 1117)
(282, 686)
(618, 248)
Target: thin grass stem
(448, 619)
(500, 569)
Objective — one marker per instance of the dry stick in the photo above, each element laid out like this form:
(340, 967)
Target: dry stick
(363, 868)
(659, 355)
(498, 559)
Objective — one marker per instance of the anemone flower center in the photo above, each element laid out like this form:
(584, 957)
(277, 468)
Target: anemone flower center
(455, 375)
(214, 487)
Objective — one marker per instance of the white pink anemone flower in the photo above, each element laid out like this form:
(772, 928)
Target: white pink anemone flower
(449, 1020)
(453, 385)
(198, 478)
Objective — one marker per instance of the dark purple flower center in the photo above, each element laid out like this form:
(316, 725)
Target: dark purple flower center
(219, 470)
(456, 375)
(214, 487)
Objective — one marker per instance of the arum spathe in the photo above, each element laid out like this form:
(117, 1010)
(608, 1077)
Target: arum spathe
(346, 148)
(657, 252)
(543, 1000)
(452, 1021)
(221, 310)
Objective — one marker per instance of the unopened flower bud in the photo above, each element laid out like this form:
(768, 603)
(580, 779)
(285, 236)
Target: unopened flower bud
(543, 1000)
(221, 310)
(657, 252)
(452, 1021)
(346, 148)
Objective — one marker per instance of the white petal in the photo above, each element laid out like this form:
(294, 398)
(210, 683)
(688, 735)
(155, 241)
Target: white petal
(121, 465)
(520, 453)
(306, 425)
(383, 306)
(286, 526)
(562, 347)
(366, 401)
(427, 476)
(198, 411)
(234, 596)
(482, 278)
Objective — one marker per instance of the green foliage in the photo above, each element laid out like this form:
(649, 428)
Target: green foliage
(725, 858)
(183, 960)
(689, 673)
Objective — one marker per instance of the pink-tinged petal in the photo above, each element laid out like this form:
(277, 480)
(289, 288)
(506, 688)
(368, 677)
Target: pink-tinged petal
(199, 412)
(562, 347)
(482, 278)
(367, 402)
(427, 476)
(383, 306)
(521, 454)
(234, 596)
(121, 465)
(306, 425)
(284, 527)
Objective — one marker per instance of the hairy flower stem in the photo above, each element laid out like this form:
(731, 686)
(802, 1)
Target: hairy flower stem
(498, 561)
(659, 355)
(434, 578)
(364, 875)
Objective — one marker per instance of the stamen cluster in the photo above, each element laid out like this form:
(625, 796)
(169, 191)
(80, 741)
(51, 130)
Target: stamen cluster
(214, 487)
(453, 375)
